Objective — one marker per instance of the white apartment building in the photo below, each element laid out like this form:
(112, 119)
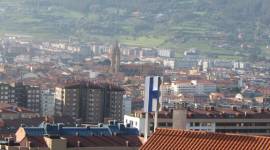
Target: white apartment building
(137, 120)
(193, 87)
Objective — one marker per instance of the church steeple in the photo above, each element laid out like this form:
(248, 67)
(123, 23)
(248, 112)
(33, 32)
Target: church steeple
(115, 60)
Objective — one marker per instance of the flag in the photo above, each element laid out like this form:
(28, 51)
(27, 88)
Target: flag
(152, 93)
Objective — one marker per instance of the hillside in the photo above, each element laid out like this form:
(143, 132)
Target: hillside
(215, 27)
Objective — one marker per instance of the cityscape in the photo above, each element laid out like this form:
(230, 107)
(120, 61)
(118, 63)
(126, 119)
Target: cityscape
(98, 90)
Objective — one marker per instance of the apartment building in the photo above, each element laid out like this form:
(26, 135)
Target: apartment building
(47, 103)
(7, 93)
(193, 86)
(33, 98)
(89, 102)
(27, 96)
(252, 121)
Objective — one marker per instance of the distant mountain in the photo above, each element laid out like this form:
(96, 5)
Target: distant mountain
(211, 25)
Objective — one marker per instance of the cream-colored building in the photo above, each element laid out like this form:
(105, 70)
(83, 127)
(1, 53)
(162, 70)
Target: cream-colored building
(252, 121)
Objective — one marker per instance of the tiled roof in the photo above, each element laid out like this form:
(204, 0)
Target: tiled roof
(223, 113)
(9, 108)
(91, 141)
(33, 122)
(164, 139)
(103, 141)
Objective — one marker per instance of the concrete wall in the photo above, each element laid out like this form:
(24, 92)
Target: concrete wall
(179, 118)
(56, 144)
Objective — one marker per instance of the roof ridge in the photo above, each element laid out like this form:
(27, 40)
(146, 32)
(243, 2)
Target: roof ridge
(205, 132)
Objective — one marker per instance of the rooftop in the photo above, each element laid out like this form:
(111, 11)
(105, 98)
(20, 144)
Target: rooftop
(179, 139)
(113, 134)
(231, 113)
(211, 112)
(114, 128)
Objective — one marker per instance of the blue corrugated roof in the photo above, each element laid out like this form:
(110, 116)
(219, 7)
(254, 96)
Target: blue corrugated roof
(34, 131)
(85, 131)
(107, 130)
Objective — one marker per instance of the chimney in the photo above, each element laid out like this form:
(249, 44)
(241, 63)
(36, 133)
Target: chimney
(127, 143)
(234, 108)
(10, 141)
(179, 117)
(78, 143)
(254, 109)
(209, 114)
(261, 110)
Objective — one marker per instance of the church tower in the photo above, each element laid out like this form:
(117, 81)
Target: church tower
(115, 60)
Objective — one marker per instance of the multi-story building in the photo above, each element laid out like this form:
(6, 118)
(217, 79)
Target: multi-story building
(7, 93)
(166, 53)
(212, 119)
(147, 52)
(47, 103)
(89, 102)
(193, 86)
(33, 98)
(23, 95)
(126, 104)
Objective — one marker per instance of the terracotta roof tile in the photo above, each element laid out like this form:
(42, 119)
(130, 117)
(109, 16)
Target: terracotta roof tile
(172, 139)
(92, 141)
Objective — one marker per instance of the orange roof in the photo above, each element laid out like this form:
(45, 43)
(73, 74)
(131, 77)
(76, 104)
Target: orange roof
(164, 139)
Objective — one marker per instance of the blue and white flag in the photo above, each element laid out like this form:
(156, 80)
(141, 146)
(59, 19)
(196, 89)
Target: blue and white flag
(152, 93)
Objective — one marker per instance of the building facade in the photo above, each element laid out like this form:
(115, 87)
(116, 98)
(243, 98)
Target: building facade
(7, 93)
(47, 103)
(211, 119)
(27, 96)
(89, 102)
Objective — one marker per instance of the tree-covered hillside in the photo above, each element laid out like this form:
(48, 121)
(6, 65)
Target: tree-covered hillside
(215, 26)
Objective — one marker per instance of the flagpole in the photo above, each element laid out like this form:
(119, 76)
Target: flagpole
(146, 123)
(159, 104)
(156, 119)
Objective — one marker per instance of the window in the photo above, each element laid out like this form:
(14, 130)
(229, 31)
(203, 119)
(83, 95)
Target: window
(197, 124)
(162, 124)
(204, 124)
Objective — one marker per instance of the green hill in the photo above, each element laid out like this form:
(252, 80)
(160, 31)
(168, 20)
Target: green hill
(214, 26)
